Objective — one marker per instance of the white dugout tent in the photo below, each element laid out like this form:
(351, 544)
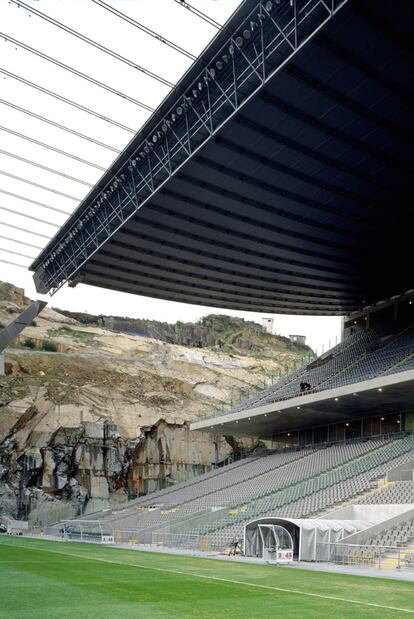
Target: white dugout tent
(310, 537)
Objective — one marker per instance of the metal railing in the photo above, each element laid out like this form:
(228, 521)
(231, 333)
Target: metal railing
(366, 555)
(319, 481)
(101, 534)
(43, 517)
(338, 553)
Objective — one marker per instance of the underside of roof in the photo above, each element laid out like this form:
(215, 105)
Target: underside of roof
(300, 202)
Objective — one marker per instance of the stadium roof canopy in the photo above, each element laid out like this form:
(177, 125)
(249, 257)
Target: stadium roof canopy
(276, 176)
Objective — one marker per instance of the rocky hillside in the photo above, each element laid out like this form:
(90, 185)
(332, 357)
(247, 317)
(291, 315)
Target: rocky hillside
(218, 332)
(90, 415)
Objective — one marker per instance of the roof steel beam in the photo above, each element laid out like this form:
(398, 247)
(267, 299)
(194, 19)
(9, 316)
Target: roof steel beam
(339, 98)
(135, 262)
(312, 153)
(250, 244)
(206, 295)
(260, 266)
(249, 57)
(311, 180)
(367, 69)
(332, 132)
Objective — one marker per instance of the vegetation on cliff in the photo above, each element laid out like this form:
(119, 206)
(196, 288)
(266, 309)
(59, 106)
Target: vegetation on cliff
(71, 378)
(229, 334)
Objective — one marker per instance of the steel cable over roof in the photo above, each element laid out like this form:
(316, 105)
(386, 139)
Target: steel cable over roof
(279, 187)
(70, 102)
(65, 67)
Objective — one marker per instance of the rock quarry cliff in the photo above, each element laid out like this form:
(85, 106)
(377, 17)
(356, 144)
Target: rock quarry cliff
(93, 410)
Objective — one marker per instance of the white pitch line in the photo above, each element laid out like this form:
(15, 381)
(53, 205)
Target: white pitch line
(217, 579)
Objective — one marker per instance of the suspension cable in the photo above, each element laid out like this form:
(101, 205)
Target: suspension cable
(43, 167)
(25, 180)
(16, 253)
(19, 197)
(57, 125)
(143, 28)
(66, 67)
(41, 221)
(8, 238)
(14, 264)
(20, 229)
(199, 14)
(53, 148)
(55, 95)
(85, 39)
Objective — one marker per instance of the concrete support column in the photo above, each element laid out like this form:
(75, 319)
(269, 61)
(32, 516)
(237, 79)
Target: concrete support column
(395, 310)
(13, 330)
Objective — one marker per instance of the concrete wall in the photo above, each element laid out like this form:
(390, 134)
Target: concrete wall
(402, 472)
(406, 513)
(370, 513)
(408, 421)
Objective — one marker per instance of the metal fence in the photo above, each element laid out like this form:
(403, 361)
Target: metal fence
(42, 517)
(100, 534)
(352, 555)
(364, 555)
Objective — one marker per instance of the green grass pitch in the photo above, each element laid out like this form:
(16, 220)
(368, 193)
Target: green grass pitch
(44, 579)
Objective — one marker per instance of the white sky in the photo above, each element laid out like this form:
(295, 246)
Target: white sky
(172, 22)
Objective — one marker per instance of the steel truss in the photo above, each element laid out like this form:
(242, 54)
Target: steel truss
(264, 42)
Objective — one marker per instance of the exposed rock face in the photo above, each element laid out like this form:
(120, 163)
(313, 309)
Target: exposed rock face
(89, 464)
(227, 333)
(12, 294)
(171, 452)
(109, 418)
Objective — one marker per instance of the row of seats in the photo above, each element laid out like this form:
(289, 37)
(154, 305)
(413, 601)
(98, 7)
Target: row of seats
(312, 496)
(258, 479)
(290, 384)
(306, 507)
(398, 492)
(180, 500)
(283, 471)
(384, 349)
(402, 535)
